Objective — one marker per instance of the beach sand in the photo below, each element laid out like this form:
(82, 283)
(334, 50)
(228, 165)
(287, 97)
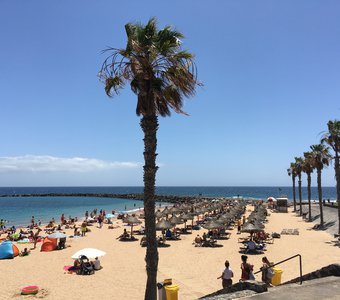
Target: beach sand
(194, 269)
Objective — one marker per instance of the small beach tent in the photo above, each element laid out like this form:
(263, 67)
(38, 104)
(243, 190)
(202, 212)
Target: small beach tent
(8, 250)
(48, 244)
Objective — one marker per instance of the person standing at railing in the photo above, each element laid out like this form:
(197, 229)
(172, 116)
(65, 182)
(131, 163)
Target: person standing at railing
(267, 271)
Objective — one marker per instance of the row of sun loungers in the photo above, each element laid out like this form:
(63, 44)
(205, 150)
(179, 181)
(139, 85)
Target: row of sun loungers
(294, 231)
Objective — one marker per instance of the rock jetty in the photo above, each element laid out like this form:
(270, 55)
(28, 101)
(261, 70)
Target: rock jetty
(158, 198)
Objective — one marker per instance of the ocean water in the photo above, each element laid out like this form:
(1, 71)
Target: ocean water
(19, 210)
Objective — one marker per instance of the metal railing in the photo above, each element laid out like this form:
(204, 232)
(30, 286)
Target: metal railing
(289, 258)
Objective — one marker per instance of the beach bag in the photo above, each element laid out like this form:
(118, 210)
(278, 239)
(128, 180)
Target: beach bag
(270, 273)
(276, 235)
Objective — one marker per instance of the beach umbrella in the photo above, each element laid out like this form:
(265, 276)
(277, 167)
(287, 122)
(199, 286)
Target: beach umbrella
(258, 224)
(175, 220)
(185, 207)
(89, 253)
(131, 220)
(250, 228)
(163, 225)
(175, 210)
(199, 211)
(185, 217)
(158, 214)
(166, 211)
(57, 235)
(224, 221)
(212, 225)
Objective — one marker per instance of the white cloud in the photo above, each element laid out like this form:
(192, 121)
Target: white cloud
(45, 163)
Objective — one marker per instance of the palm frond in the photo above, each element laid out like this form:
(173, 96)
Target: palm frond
(159, 71)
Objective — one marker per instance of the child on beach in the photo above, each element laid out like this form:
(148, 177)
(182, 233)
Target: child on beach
(25, 252)
(226, 276)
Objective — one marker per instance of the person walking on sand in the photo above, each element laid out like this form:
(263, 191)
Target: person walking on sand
(35, 238)
(62, 219)
(83, 229)
(100, 221)
(247, 269)
(226, 276)
(239, 223)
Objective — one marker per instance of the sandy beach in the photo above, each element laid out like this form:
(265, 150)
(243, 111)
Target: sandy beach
(194, 269)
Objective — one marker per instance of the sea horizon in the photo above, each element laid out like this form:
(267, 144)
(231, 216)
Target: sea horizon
(18, 210)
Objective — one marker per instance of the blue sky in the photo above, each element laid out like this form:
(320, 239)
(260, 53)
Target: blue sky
(271, 74)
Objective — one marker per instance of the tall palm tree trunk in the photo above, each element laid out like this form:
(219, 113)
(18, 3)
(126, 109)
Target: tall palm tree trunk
(309, 180)
(149, 124)
(294, 193)
(300, 194)
(320, 196)
(337, 176)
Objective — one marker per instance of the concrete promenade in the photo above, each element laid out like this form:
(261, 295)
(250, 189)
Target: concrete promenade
(330, 215)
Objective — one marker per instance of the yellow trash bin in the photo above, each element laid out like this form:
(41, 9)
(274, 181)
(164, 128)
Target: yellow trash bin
(276, 280)
(171, 292)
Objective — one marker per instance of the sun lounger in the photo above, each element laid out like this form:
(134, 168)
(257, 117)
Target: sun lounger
(294, 231)
(284, 231)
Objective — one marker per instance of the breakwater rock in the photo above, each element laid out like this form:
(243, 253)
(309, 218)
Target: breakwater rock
(158, 198)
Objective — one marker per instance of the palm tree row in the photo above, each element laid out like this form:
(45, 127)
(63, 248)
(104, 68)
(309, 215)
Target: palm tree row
(318, 158)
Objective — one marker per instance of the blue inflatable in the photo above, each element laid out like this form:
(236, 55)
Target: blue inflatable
(8, 250)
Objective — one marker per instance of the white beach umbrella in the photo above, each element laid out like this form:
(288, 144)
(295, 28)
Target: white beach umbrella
(89, 253)
(57, 235)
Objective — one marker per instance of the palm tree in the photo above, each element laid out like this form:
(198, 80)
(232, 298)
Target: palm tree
(320, 158)
(291, 172)
(307, 167)
(298, 170)
(332, 138)
(161, 74)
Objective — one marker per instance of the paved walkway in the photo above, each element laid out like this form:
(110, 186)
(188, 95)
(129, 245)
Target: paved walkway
(323, 288)
(330, 216)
